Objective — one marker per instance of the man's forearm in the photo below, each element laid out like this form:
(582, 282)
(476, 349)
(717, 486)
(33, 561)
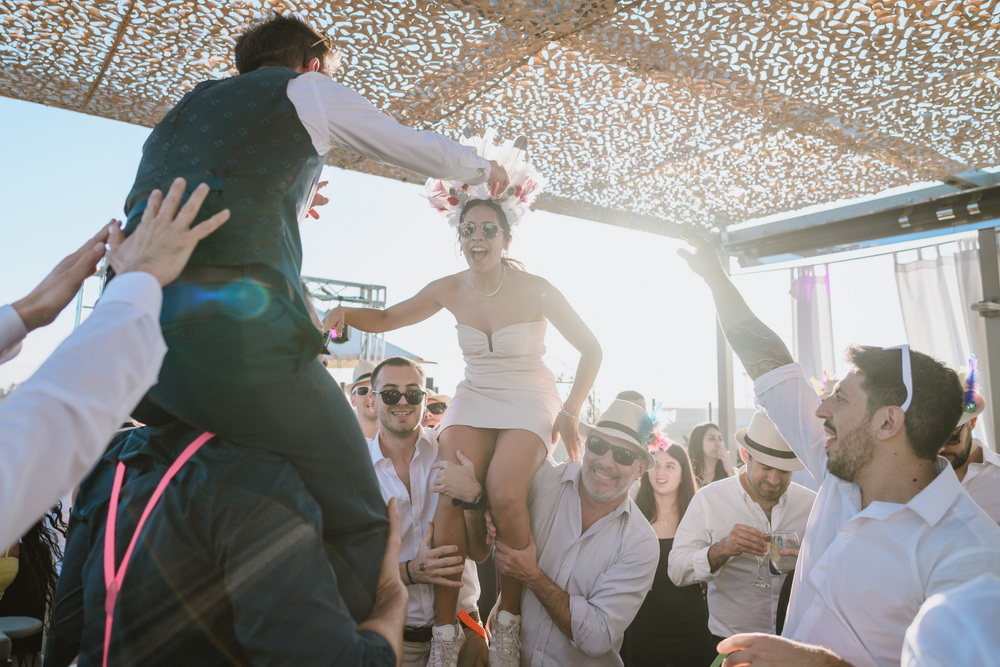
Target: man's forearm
(554, 599)
(759, 349)
(717, 557)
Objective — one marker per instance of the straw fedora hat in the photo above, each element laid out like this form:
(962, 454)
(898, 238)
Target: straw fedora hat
(627, 421)
(762, 441)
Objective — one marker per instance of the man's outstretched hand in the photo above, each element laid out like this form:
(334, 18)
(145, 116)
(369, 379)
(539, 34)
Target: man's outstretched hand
(704, 260)
(46, 301)
(163, 242)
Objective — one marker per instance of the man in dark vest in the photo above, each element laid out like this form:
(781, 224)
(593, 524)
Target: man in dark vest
(242, 349)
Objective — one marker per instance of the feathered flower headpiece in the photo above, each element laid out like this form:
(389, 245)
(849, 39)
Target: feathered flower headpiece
(448, 197)
(649, 429)
(972, 403)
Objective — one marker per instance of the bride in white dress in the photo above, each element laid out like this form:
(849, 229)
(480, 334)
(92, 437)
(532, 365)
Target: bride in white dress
(506, 413)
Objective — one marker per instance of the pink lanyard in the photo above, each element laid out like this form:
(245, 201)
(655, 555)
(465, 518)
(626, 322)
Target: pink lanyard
(112, 577)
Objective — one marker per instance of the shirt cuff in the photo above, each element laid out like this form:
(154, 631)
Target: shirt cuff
(12, 332)
(138, 289)
(702, 568)
(772, 379)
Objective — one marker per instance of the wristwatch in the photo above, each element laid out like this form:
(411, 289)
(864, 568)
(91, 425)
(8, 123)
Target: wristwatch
(478, 504)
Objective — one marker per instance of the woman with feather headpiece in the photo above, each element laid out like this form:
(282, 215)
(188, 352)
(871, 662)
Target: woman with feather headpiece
(506, 412)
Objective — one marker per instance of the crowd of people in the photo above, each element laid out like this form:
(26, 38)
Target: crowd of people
(261, 514)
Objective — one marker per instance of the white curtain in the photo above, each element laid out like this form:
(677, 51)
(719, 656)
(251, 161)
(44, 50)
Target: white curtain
(812, 322)
(935, 292)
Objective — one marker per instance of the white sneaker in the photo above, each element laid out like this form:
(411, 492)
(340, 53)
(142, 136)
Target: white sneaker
(505, 643)
(446, 642)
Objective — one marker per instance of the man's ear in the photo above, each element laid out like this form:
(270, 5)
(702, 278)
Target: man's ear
(889, 422)
(314, 65)
(744, 455)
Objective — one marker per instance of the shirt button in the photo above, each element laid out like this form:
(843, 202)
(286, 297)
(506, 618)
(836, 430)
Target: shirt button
(845, 534)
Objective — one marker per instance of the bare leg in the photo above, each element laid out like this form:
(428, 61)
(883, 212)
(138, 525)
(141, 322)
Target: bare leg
(449, 523)
(516, 459)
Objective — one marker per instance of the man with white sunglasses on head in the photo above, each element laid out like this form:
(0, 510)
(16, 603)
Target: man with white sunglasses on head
(891, 525)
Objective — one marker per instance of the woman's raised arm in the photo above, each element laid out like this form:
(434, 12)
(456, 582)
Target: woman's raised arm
(417, 308)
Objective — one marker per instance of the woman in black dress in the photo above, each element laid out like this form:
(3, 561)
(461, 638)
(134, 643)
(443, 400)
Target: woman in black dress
(671, 628)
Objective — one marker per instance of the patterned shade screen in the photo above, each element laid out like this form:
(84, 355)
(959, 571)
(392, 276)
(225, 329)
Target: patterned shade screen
(662, 116)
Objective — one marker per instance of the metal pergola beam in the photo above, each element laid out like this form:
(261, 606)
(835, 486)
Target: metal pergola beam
(928, 212)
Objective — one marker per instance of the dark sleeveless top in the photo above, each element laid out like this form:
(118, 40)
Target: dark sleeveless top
(671, 628)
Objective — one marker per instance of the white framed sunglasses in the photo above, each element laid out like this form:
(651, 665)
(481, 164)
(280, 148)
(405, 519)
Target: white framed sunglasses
(907, 373)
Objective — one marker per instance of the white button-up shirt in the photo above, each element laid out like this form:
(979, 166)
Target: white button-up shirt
(982, 482)
(734, 604)
(416, 511)
(957, 628)
(55, 426)
(606, 571)
(863, 574)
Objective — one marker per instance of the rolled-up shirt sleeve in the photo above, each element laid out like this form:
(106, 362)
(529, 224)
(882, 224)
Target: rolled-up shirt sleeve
(337, 117)
(600, 619)
(58, 422)
(688, 560)
(791, 403)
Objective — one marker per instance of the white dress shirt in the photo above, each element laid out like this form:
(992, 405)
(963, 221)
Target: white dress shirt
(982, 482)
(957, 628)
(606, 571)
(59, 421)
(734, 604)
(863, 574)
(416, 511)
(337, 117)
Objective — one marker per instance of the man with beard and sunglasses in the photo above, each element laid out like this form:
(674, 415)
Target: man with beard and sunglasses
(891, 525)
(977, 467)
(592, 555)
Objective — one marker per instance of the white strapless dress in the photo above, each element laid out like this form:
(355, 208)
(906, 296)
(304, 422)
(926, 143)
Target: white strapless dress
(506, 385)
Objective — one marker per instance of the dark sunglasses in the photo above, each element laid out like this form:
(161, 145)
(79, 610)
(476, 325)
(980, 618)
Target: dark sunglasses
(437, 408)
(391, 396)
(362, 390)
(467, 229)
(622, 456)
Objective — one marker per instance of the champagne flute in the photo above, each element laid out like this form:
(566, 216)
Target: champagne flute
(760, 581)
(783, 539)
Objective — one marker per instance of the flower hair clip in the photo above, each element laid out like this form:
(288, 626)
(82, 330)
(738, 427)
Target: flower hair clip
(449, 196)
(658, 442)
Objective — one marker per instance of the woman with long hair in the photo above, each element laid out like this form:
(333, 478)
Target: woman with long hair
(671, 627)
(709, 454)
(506, 412)
(31, 591)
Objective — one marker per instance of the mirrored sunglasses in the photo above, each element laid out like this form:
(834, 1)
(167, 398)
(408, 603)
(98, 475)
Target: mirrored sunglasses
(621, 455)
(467, 229)
(437, 408)
(391, 396)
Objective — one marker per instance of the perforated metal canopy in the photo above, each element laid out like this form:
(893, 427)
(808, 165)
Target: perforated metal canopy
(654, 115)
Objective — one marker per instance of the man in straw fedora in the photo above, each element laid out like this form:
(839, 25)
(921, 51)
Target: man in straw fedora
(718, 528)
(592, 556)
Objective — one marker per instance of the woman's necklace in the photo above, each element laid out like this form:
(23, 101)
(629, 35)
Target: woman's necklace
(494, 292)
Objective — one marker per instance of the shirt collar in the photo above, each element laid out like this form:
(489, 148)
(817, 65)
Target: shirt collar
(426, 444)
(931, 504)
